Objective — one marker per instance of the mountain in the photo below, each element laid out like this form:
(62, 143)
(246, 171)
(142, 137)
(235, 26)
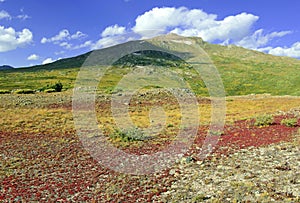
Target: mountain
(6, 67)
(72, 62)
(242, 71)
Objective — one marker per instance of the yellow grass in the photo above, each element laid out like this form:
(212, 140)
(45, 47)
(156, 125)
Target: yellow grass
(35, 119)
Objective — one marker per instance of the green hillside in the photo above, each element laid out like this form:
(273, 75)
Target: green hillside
(242, 71)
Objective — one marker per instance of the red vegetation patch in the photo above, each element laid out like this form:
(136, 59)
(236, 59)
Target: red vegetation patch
(243, 134)
(53, 168)
(47, 168)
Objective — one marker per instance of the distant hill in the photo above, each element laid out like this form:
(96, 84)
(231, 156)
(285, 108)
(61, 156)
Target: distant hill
(6, 67)
(242, 71)
(72, 62)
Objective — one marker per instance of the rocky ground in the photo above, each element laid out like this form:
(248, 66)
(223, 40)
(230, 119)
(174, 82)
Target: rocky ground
(265, 174)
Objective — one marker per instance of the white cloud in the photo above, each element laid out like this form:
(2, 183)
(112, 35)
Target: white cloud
(63, 39)
(258, 39)
(10, 39)
(193, 22)
(66, 45)
(2, 1)
(70, 46)
(105, 42)
(48, 60)
(112, 40)
(33, 57)
(231, 28)
(23, 17)
(113, 30)
(63, 35)
(4, 14)
(78, 35)
(181, 21)
(293, 51)
(111, 36)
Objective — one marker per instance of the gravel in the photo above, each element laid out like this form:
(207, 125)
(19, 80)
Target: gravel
(266, 174)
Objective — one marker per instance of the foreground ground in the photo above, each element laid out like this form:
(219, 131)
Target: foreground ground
(42, 159)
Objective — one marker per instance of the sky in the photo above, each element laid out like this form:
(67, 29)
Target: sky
(41, 31)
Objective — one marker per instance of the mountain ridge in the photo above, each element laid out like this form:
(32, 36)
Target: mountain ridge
(243, 71)
(78, 60)
(6, 67)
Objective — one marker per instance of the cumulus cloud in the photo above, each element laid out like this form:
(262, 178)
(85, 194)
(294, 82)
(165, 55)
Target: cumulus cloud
(113, 30)
(111, 36)
(113, 40)
(78, 35)
(66, 45)
(258, 39)
(293, 51)
(105, 42)
(182, 21)
(10, 39)
(48, 60)
(70, 46)
(194, 22)
(5, 15)
(33, 57)
(63, 35)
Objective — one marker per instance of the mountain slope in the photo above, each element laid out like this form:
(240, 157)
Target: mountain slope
(5, 67)
(242, 71)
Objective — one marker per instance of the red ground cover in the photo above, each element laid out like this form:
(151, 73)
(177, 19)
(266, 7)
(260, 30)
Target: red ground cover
(47, 168)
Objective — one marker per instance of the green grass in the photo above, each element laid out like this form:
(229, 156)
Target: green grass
(24, 91)
(264, 120)
(36, 79)
(245, 72)
(5, 91)
(289, 122)
(242, 71)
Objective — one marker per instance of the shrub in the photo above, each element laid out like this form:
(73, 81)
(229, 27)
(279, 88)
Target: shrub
(264, 120)
(4, 92)
(130, 135)
(289, 122)
(170, 125)
(57, 86)
(216, 132)
(49, 90)
(24, 91)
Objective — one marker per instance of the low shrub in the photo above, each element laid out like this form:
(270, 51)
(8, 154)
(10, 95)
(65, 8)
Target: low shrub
(24, 91)
(57, 87)
(170, 125)
(130, 135)
(216, 132)
(49, 90)
(4, 91)
(264, 120)
(289, 122)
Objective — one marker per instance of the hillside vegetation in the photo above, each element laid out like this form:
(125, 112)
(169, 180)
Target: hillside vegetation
(242, 71)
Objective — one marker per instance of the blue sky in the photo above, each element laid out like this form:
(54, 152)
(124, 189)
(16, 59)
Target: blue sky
(40, 31)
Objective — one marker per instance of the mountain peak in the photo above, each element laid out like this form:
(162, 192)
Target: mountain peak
(172, 37)
(6, 67)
